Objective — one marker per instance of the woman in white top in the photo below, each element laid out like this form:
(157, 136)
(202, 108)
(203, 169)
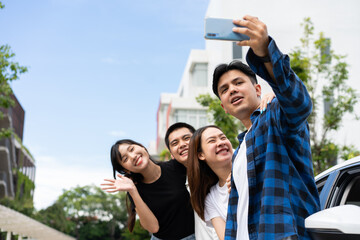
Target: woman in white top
(209, 166)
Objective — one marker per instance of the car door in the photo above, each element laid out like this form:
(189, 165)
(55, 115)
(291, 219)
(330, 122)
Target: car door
(340, 200)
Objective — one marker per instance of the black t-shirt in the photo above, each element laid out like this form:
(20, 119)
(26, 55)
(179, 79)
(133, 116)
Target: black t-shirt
(169, 200)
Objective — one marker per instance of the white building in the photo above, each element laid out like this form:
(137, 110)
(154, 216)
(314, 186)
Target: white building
(283, 18)
(197, 78)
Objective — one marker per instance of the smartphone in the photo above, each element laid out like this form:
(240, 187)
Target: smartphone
(221, 29)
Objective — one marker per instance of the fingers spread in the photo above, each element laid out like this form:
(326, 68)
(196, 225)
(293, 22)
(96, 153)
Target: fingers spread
(109, 180)
(107, 184)
(111, 191)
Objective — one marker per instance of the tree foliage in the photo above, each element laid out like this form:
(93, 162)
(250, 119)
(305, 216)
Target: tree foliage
(87, 213)
(325, 74)
(56, 217)
(228, 124)
(165, 155)
(138, 233)
(9, 71)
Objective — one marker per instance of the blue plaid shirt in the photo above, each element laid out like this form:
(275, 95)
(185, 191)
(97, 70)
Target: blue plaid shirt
(282, 191)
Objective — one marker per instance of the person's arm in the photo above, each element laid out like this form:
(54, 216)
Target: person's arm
(259, 39)
(219, 225)
(290, 91)
(146, 216)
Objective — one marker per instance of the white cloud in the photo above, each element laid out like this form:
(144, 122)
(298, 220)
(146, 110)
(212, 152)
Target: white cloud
(54, 175)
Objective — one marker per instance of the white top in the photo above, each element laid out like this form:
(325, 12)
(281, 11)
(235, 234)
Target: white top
(242, 186)
(202, 231)
(216, 203)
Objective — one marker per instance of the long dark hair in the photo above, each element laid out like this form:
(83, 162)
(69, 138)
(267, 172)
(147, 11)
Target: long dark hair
(200, 176)
(116, 159)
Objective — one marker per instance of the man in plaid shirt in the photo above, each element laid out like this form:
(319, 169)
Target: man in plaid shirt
(272, 183)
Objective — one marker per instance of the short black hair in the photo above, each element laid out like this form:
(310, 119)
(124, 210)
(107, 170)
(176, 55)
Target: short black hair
(174, 127)
(234, 65)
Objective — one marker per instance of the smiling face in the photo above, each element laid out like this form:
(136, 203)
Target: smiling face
(216, 148)
(239, 96)
(179, 144)
(134, 157)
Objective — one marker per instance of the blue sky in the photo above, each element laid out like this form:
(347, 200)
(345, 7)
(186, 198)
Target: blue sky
(97, 69)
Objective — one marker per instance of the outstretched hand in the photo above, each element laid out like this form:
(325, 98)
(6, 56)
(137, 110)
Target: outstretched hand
(257, 31)
(115, 185)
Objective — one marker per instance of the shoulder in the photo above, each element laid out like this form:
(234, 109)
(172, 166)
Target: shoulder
(271, 115)
(211, 196)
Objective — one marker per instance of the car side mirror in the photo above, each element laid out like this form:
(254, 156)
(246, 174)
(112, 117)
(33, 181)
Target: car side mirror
(342, 222)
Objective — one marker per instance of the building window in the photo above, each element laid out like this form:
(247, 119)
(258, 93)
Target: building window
(196, 118)
(199, 75)
(237, 51)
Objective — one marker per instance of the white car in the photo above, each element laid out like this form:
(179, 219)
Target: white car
(339, 189)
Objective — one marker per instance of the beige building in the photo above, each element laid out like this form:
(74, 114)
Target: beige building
(197, 79)
(17, 166)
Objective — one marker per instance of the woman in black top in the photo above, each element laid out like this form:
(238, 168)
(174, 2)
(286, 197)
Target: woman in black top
(157, 191)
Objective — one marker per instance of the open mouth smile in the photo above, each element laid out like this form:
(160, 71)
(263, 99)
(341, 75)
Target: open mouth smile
(222, 150)
(236, 100)
(184, 152)
(138, 161)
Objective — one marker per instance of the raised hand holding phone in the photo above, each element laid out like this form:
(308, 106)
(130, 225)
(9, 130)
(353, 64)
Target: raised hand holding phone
(257, 31)
(222, 29)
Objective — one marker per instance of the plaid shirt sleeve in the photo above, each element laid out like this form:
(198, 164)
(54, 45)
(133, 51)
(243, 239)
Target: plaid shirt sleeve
(288, 88)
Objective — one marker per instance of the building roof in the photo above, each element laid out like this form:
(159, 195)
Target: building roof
(17, 223)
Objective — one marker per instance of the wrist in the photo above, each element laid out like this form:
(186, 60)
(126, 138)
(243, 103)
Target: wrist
(265, 58)
(132, 191)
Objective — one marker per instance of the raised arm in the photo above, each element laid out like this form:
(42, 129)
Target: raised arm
(124, 184)
(259, 39)
(290, 91)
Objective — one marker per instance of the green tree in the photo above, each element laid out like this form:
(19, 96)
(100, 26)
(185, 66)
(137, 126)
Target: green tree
(325, 74)
(228, 124)
(138, 233)
(165, 155)
(87, 213)
(56, 217)
(9, 71)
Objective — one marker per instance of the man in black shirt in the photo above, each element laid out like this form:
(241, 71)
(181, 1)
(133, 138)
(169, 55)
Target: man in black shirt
(177, 140)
